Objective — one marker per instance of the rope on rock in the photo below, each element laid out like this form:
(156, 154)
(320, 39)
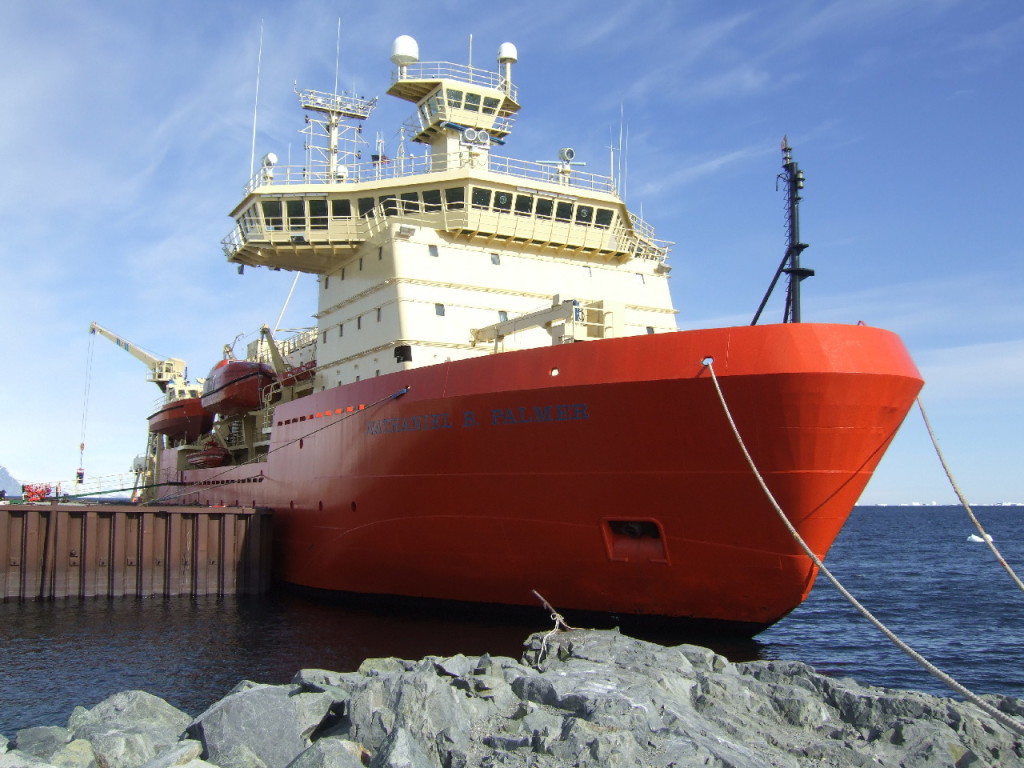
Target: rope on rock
(560, 624)
(1002, 717)
(967, 507)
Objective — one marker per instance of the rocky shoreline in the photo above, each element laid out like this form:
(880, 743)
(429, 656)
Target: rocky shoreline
(579, 698)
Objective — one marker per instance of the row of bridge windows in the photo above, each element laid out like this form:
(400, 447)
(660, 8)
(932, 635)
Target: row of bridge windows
(316, 213)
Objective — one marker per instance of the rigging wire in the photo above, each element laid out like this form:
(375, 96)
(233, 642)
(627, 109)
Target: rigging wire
(79, 476)
(959, 494)
(1002, 717)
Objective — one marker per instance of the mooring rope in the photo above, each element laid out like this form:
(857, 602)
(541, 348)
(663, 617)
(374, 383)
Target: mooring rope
(1002, 717)
(967, 507)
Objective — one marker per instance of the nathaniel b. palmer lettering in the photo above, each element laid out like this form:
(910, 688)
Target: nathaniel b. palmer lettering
(498, 417)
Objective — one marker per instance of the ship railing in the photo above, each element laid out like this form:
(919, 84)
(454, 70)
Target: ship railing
(633, 239)
(346, 104)
(259, 350)
(446, 70)
(418, 123)
(267, 420)
(116, 485)
(387, 169)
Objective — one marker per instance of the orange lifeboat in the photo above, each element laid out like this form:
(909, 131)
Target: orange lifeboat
(184, 418)
(235, 386)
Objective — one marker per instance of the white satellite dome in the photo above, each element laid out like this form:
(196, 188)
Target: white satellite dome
(507, 53)
(404, 51)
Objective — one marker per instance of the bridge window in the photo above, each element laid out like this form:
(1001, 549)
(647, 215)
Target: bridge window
(455, 197)
(544, 208)
(341, 209)
(366, 206)
(563, 211)
(584, 214)
(502, 201)
(318, 214)
(603, 218)
(431, 200)
(454, 98)
(410, 202)
(296, 214)
(389, 205)
(272, 218)
(473, 102)
(481, 197)
(249, 221)
(524, 205)
(490, 105)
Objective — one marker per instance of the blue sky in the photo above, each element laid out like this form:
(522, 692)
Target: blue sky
(126, 140)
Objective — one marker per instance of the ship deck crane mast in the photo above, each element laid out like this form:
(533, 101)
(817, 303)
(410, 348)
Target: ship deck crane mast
(161, 371)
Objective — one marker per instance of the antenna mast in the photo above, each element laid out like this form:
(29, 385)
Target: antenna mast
(793, 178)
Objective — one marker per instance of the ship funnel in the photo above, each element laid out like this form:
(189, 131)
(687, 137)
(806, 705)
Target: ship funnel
(404, 51)
(507, 56)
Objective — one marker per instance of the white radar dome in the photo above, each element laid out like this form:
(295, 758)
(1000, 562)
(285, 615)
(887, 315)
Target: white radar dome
(404, 51)
(507, 53)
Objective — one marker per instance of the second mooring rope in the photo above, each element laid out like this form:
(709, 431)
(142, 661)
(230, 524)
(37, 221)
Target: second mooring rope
(970, 513)
(1002, 717)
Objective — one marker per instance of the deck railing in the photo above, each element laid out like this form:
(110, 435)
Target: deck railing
(418, 165)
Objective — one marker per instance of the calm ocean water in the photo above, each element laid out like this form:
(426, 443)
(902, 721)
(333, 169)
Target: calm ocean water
(912, 566)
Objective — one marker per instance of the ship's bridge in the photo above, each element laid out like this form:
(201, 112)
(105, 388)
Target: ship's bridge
(314, 217)
(452, 96)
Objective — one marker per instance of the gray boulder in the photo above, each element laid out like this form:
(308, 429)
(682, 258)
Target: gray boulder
(332, 752)
(128, 729)
(42, 741)
(182, 753)
(15, 758)
(260, 726)
(75, 754)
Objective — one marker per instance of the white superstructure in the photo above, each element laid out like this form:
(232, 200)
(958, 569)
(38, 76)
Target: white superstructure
(454, 253)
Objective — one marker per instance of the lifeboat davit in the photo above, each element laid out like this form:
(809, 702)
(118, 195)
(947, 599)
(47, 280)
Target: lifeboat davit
(235, 386)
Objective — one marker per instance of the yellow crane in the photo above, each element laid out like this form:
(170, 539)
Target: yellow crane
(161, 372)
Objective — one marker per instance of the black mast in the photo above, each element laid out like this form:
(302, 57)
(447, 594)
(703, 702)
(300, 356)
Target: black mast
(793, 178)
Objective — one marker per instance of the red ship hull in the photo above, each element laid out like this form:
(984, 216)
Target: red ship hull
(603, 474)
(235, 386)
(181, 419)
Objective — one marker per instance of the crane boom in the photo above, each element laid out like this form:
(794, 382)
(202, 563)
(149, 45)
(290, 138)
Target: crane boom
(161, 372)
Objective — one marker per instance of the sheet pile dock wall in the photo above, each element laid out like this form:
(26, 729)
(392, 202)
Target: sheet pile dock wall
(90, 550)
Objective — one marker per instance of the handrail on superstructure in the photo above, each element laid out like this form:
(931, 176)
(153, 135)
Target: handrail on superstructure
(421, 165)
(446, 70)
(345, 104)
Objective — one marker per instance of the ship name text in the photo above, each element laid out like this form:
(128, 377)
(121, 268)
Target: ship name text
(498, 417)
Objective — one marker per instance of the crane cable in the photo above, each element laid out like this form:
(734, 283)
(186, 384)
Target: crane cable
(80, 475)
(1007, 721)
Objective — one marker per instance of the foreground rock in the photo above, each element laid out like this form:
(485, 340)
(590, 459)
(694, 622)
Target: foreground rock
(582, 698)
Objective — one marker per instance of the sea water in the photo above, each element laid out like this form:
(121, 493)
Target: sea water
(913, 567)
